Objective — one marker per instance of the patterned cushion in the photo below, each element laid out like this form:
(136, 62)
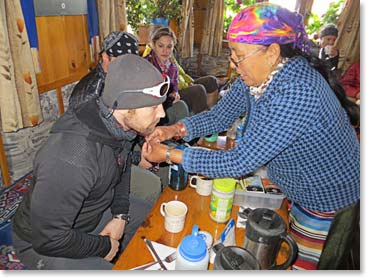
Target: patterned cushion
(9, 202)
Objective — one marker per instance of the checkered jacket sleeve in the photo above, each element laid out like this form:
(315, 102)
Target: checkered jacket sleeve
(297, 129)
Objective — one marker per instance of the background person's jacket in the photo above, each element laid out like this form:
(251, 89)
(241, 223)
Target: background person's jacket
(79, 172)
(89, 87)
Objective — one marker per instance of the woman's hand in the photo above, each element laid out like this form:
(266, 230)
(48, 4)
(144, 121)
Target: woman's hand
(162, 133)
(154, 152)
(176, 97)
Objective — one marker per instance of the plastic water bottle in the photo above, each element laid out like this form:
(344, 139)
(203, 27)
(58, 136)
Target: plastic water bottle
(177, 176)
(192, 253)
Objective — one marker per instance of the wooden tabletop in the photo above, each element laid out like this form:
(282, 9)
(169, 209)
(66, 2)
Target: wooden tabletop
(136, 253)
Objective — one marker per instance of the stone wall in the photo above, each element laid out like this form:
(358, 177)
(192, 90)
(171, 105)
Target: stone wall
(217, 66)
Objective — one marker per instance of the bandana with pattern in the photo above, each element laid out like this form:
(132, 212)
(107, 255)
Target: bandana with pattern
(118, 43)
(266, 23)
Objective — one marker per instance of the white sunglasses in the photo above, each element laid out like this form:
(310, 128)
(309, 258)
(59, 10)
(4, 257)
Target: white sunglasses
(159, 90)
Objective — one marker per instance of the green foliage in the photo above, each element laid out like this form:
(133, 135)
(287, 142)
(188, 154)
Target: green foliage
(232, 7)
(170, 9)
(136, 13)
(331, 16)
(142, 11)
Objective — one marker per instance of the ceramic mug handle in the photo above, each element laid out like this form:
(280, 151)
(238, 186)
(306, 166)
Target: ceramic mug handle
(162, 209)
(193, 181)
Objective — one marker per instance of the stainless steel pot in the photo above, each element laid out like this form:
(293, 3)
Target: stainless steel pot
(265, 232)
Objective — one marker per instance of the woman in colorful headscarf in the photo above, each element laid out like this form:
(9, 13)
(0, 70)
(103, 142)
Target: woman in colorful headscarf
(294, 125)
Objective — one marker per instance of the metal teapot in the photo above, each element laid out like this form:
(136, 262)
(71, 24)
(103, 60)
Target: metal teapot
(265, 232)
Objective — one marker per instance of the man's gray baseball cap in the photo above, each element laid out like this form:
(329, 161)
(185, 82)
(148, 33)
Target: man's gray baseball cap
(126, 78)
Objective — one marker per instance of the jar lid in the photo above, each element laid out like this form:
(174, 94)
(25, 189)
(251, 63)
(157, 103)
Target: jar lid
(193, 247)
(225, 184)
(211, 138)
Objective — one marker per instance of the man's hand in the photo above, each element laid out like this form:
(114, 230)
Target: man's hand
(334, 52)
(144, 163)
(114, 229)
(113, 251)
(154, 152)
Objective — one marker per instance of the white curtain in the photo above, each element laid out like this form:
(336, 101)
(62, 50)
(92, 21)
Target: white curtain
(348, 41)
(19, 98)
(112, 16)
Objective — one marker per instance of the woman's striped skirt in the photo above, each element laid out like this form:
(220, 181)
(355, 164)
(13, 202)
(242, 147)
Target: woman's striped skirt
(309, 229)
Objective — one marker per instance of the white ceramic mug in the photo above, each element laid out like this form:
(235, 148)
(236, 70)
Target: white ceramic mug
(202, 184)
(174, 213)
(328, 49)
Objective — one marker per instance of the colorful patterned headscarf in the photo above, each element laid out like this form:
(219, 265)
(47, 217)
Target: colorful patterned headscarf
(266, 23)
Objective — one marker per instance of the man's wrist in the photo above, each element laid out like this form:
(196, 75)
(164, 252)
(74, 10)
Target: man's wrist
(125, 217)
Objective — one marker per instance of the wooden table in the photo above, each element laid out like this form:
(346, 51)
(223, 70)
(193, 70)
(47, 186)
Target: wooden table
(136, 253)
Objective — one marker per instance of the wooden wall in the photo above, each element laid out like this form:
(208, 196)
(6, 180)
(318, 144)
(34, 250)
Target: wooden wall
(63, 50)
(199, 19)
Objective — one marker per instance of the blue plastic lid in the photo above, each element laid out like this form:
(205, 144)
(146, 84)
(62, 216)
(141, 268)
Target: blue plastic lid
(181, 147)
(193, 247)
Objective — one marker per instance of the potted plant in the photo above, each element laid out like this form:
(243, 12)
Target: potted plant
(142, 13)
(163, 9)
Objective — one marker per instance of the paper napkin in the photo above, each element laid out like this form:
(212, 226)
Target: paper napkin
(163, 251)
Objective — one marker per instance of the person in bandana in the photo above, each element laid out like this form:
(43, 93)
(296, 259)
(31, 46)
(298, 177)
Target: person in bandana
(115, 44)
(295, 127)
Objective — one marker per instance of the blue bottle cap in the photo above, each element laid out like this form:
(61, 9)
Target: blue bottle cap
(193, 247)
(181, 147)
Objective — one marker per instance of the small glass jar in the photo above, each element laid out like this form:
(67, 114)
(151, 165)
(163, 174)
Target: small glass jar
(210, 141)
(221, 200)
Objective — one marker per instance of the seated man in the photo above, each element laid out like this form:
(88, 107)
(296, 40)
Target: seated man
(90, 87)
(79, 210)
(328, 51)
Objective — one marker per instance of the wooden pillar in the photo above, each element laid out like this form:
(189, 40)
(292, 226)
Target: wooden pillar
(60, 102)
(4, 164)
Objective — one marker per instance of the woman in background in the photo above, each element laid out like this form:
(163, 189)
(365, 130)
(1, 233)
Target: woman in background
(199, 95)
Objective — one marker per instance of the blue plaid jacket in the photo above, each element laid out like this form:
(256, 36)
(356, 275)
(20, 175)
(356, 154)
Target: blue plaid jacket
(298, 129)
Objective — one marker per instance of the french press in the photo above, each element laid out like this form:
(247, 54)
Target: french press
(265, 232)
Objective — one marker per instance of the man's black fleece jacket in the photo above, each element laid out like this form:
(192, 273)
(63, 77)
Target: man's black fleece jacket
(79, 172)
